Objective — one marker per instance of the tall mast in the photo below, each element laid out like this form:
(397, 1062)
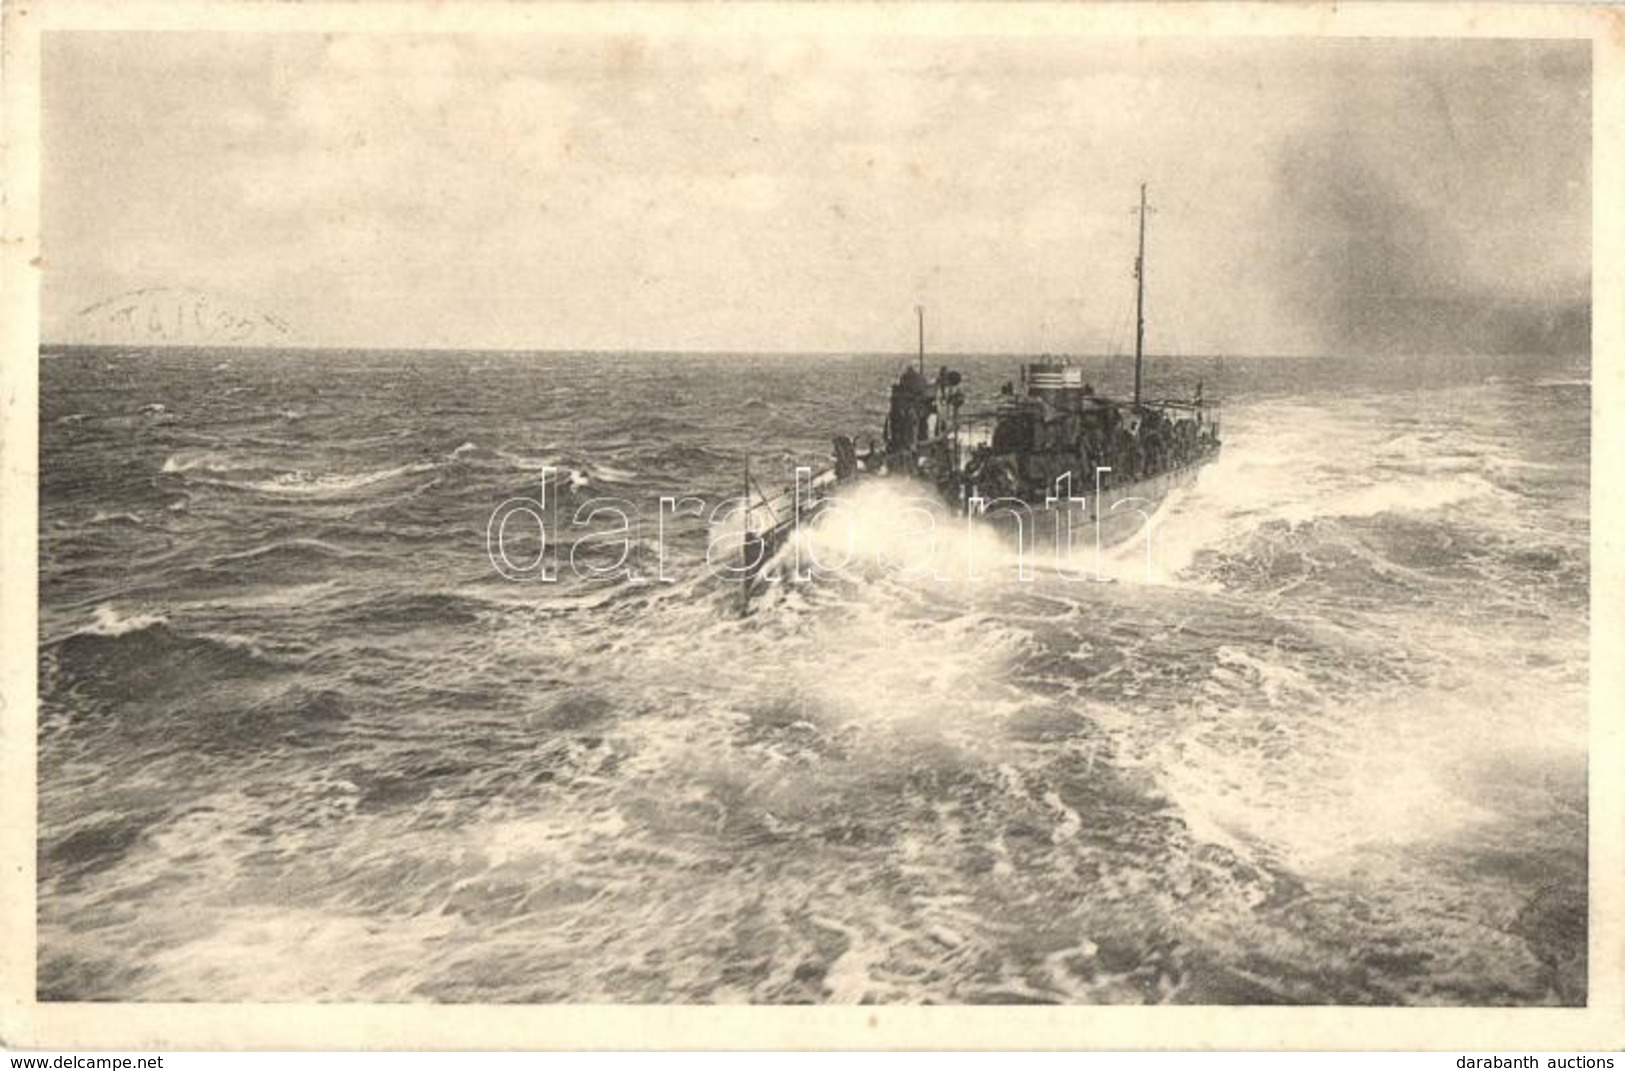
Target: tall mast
(919, 317)
(1139, 300)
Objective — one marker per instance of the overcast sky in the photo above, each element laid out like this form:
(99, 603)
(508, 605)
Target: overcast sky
(1313, 196)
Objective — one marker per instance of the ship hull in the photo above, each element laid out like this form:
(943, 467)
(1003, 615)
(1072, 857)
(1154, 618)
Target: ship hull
(1062, 532)
(1114, 516)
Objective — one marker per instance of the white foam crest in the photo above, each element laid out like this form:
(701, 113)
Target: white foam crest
(275, 546)
(286, 480)
(208, 462)
(1394, 771)
(902, 530)
(302, 482)
(304, 967)
(605, 471)
(268, 597)
(1188, 521)
(1408, 495)
(896, 672)
(1306, 463)
(110, 621)
(532, 462)
(851, 977)
(557, 839)
(103, 517)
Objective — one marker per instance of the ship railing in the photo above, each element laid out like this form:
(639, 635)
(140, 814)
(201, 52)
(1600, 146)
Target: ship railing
(1184, 403)
(768, 512)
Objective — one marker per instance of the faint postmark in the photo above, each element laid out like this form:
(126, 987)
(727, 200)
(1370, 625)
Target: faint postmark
(178, 316)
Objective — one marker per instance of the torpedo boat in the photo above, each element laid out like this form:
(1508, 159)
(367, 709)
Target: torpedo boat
(1048, 441)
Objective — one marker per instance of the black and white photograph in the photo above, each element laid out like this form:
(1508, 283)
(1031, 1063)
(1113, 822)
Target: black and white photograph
(758, 513)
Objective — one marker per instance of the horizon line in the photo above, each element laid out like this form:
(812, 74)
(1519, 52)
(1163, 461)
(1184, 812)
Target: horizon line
(895, 354)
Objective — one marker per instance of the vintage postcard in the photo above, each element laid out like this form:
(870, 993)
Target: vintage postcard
(826, 526)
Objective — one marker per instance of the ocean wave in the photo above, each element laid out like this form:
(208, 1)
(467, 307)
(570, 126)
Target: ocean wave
(223, 470)
(207, 462)
(298, 549)
(532, 461)
(103, 517)
(406, 610)
(681, 454)
(110, 621)
(575, 473)
(97, 843)
(304, 482)
(1407, 496)
(563, 469)
(1321, 556)
(611, 473)
(142, 658)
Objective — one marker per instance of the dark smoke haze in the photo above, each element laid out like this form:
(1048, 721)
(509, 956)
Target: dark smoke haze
(1407, 218)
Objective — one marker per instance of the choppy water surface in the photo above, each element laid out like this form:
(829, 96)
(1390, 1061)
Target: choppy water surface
(298, 740)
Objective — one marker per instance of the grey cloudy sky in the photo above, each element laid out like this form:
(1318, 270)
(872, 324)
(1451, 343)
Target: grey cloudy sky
(803, 193)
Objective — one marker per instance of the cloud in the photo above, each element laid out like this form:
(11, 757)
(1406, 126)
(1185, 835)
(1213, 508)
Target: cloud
(805, 192)
(407, 131)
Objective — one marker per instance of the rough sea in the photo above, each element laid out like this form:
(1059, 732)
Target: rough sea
(299, 740)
